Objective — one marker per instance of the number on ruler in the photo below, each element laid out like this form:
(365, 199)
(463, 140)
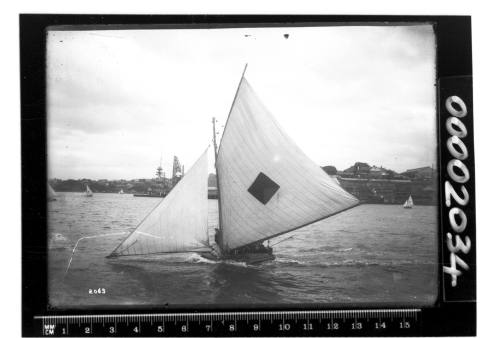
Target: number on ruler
(356, 326)
(332, 326)
(404, 325)
(284, 327)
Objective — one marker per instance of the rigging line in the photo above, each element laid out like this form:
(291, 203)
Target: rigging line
(88, 237)
(286, 239)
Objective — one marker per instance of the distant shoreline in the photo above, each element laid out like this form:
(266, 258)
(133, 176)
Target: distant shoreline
(370, 184)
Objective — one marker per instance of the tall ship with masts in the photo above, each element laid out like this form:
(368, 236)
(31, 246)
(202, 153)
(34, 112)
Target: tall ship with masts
(267, 187)
(161, 185)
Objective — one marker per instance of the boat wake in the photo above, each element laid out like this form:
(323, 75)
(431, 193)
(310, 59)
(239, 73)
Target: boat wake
(195, 258)
(235, 263)
(179, 258)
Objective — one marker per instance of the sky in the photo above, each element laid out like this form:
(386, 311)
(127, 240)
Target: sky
(120, 102)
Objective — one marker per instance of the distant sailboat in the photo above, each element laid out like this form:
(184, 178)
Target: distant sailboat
(121, 191)
(51, 194)
(408, 203)
(88, 192)
(267, 187)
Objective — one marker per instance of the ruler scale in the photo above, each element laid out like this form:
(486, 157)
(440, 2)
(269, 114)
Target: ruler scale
(374, 322)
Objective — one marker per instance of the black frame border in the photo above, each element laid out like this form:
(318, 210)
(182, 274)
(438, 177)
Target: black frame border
(454, 58)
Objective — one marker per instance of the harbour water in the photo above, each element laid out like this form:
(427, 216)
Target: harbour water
(372, 253)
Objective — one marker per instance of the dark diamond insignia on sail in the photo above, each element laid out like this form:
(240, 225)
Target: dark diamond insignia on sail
(263, 188)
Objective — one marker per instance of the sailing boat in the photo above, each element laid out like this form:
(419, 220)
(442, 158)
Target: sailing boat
(267, 187)
(88, 192)
(51, 194)
(121, 191)
(408, 203)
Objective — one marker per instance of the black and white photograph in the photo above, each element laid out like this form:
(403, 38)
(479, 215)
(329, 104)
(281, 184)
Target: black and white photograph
(230, 166)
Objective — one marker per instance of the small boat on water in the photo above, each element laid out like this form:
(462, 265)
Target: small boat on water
(408, 203)
(121, 191)
(88, 192)
(51, 194)
(266, 187)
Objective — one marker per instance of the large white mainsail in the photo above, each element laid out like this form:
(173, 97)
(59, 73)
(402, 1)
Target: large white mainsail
(179, 223)
(267, 185)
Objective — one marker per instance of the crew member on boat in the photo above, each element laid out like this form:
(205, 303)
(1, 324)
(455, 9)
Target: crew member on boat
(217, 236)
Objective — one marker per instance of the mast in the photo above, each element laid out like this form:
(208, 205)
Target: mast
(217, 180)
(215, 141)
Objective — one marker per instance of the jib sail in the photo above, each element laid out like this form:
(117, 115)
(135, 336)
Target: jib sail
(179, 222)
